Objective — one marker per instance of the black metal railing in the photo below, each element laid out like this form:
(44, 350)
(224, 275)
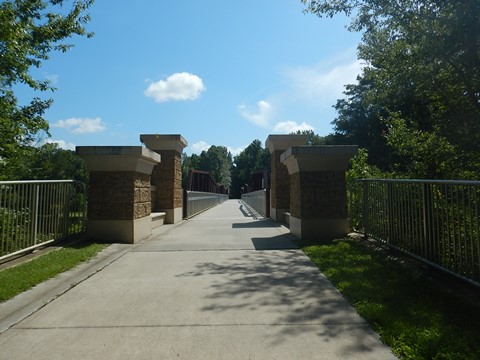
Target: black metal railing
(436, 221)
(35, 213)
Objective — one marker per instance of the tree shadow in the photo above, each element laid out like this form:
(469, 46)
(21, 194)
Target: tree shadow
(279, 242)
(261, 223)
(286, 290)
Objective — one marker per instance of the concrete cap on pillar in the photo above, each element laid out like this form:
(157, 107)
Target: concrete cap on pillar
(283, 142)
(118, 158)
(318, 158)
(157, 142)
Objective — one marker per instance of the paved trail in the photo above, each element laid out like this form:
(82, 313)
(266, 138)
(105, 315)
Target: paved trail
(223, 285)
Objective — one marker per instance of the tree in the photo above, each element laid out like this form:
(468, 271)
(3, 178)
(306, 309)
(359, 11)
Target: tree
(217, 160)
(29, 31)
(254, 157)
(315, 139)
(49, 162)
(421, 78)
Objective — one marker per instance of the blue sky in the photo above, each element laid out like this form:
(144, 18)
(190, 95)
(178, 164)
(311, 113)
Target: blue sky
(216, 72)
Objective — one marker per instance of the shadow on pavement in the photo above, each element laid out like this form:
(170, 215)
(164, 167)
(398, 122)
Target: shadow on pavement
(262, 223)
(280, 242)
(285, 288)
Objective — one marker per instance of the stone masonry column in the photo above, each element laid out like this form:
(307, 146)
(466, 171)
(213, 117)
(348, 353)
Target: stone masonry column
(279, 178)
(318, 194)
(119, 192)
(167, 176)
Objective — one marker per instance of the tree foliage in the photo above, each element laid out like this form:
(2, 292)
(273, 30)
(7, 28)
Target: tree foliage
(29, 31)
(253, 158)
(217, 160)
(416, 105)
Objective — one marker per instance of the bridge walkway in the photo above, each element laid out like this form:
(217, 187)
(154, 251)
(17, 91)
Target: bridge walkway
(223, 285)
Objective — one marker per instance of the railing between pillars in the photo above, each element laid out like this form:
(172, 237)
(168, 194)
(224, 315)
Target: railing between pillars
(195, 202)
(35, 213)
(259, 200)
(435, 221)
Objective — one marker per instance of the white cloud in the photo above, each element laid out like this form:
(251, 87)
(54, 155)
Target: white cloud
(236, 151)
(199, 146)
(178, 86)
(260, 116)
(61, 144)
(287, 127)
(323, 83)
(81, 125)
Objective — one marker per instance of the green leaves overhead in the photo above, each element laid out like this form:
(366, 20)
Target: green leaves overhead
(29, 31)
(421, 80)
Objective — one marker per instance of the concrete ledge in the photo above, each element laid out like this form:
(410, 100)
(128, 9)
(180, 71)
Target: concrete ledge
(283, 142)
(158, 219)
(173, 215)
(158, 142)
(318, 158)
(118, 158)
(322, 229)
(122, 231)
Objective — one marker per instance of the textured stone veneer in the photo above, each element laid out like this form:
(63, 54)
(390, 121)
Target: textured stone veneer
(279, 178)
(279, 183)
(119, 198)
(167, 176)
(318, 196)
(118, 195)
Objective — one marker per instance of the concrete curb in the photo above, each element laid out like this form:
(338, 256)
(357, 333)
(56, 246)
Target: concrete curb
(25, 304)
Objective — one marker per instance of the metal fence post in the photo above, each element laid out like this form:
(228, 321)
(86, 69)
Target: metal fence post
(427, 220)
(365, 209)
(36, 197)
(390, 214)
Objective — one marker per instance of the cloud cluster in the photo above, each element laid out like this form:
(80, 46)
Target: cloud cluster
(176, 87)
(199, 146)
(81, 125)
(259, 116)
(287, 127)
(61, 144)
(262, 115)
(321, 84)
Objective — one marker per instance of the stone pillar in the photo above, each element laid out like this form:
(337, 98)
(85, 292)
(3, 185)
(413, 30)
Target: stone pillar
(119, 192)
(318, 194)
(279, 179)
(167, 176)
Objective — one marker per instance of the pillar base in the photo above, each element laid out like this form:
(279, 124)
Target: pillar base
(173, 215)
(277, 214)
(123, 231)
(319, 229)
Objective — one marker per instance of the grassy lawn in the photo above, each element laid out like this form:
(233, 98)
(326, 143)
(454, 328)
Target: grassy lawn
(415, 317)
(24, 276)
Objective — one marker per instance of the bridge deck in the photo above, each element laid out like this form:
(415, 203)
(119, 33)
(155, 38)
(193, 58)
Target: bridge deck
(205, 289)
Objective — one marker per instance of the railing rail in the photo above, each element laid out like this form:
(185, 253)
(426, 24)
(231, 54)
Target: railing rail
(434, 220)
(35, 213)
(195, 202)
(259, 200)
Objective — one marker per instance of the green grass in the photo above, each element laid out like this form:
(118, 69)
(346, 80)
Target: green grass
(24, 276)
(415, 317)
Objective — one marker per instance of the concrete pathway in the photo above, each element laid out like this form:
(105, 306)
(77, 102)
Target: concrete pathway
(223, 285)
